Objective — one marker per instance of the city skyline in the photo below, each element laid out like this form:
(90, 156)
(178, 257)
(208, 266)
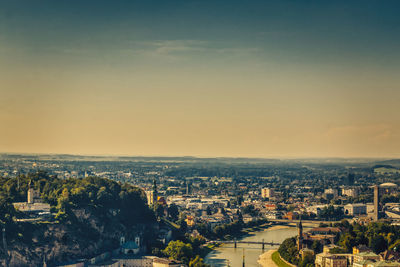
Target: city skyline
(276, 79)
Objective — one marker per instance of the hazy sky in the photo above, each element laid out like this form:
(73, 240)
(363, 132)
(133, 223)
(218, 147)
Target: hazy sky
(202, 78)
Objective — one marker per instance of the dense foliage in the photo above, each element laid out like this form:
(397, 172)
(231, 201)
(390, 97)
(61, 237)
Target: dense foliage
(379, 236)
(189, 251)
(331, 213)
(97, 194)
(288, 250)
(90, 214)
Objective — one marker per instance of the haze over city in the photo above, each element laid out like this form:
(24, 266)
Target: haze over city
(187, 133)
(200, 78)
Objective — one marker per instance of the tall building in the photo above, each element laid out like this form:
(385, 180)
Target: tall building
(350, 179)
(267, 193)
(188, 187)
(376, 202)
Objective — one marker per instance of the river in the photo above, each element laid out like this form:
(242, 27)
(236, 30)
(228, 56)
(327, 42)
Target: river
(221, 255)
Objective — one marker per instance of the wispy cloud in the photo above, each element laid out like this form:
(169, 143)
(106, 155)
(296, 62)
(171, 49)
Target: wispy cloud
(178, 49)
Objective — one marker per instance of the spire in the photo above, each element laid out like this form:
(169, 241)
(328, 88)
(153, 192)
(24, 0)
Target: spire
(300, 237)
(154, 186)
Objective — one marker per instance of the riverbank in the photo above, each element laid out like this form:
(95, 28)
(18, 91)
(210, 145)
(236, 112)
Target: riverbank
(265, 259)
(278, 260)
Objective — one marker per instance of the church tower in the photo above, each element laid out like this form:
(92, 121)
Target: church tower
(300, 237)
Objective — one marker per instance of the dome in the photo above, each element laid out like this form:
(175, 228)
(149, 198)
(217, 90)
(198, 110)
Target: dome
(388, 185)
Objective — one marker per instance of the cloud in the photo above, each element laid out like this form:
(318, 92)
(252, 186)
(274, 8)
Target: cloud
(179, 49)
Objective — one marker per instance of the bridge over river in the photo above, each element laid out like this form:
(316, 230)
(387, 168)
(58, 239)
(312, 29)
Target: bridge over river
(235, 242)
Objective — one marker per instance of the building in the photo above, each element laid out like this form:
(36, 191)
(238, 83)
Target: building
(305, 252)
(350, 179)
(130, 247)
(387, 189)
(350, 192)
(361, 248)
(379, 190)
(362, 256)
(34, 203)
(331, 191)
(267, 193)
(355, 209)
(152, 194)
(376, 203)
(362, 263)
(383, 264)
(300, 236)
(150, 198)
(162, 262)
(330, 260)
(336, 261)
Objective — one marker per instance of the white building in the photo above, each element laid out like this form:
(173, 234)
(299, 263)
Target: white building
(355, 209)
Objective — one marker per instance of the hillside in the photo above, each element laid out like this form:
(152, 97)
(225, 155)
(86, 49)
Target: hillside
(90, 216)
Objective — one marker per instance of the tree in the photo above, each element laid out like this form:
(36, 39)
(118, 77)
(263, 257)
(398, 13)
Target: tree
(347, 241)
(177, 250)
(307, 261)
(159, 210)
(197, 262)
(377, 243)
(173, 212)
(316, 246)
(288, 250)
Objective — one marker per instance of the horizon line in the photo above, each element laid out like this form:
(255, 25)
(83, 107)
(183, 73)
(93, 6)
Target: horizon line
(191, 156)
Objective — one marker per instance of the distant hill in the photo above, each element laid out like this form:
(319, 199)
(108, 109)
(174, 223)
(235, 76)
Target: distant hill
(392, 162)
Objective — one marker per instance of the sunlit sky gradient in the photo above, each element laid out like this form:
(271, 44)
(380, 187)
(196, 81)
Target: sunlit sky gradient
(201, 78)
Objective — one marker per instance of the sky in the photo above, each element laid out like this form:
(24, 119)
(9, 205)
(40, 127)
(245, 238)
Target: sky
(200, 78)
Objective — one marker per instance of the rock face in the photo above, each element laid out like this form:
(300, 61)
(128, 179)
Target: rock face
(84, 236)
